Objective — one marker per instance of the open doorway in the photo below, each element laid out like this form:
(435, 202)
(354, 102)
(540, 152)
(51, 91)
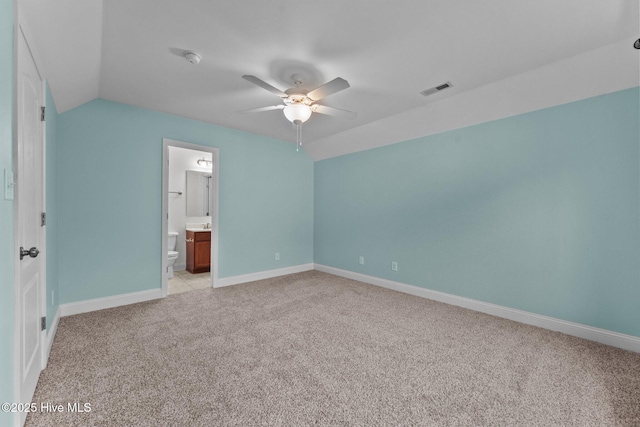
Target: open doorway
(189, 217)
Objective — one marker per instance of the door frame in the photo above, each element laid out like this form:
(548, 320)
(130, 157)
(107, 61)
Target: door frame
(214, 193)
(22, 30)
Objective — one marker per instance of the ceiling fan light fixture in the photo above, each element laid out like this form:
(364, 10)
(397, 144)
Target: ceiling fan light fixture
(297, 112)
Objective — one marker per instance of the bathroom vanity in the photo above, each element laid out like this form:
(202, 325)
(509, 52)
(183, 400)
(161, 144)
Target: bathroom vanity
(198, 250)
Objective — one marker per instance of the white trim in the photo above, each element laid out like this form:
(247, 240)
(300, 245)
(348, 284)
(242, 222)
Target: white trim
(44, 353)
(51, 334)
(214, 194)
(615, 339)
(17, 418)
(71, 308)
(260, 275)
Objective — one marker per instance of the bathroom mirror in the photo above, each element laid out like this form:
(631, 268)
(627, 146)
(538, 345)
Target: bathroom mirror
(198, 186)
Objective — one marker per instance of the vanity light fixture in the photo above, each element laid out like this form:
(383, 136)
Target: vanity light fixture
(204, 162)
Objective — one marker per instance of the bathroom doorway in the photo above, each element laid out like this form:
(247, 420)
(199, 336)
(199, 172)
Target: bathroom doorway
(190, 189)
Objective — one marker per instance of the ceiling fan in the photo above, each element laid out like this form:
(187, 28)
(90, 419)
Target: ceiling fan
(299, 104)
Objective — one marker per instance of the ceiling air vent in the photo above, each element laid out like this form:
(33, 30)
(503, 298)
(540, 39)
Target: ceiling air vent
(438, 88)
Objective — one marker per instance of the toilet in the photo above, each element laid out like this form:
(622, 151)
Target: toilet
(172, 255)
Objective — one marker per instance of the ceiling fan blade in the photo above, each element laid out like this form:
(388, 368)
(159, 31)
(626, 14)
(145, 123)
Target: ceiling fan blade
(335, 85)
(331, 111)
(264, 85)
(261, 109)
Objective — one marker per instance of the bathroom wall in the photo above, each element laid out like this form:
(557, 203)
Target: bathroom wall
(110, 199)
(537, 212)
(180, 161)
(6, 208)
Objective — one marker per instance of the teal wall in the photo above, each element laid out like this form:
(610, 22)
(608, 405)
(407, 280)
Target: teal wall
(6, 207)
(538, 212)
(51, 121)
(110, 199)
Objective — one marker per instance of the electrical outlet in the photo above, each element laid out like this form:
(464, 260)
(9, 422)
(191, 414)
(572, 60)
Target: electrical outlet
(277, 256)
(361, 261)
(394, 265)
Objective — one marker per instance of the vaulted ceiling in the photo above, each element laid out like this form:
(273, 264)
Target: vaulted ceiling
(389, 51)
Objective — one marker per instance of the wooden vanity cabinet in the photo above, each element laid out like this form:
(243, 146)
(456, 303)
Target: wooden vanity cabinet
(198, 251)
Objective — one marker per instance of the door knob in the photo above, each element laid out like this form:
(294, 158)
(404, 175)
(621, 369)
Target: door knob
(33, 252)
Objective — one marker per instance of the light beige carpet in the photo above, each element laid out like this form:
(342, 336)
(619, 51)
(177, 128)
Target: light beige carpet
(316, 349)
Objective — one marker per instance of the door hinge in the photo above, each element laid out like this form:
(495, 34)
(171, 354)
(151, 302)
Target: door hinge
(42, 109)
(43, 323)
(43, 219)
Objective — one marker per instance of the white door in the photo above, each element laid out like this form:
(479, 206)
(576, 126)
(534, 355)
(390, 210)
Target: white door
(29, 230)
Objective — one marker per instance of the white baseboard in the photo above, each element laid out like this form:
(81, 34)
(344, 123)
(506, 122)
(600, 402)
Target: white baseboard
(615, 339)
(78, 307)
(260, 275)
(51, 334)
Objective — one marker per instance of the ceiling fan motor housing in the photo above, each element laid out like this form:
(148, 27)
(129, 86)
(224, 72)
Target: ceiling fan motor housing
(297, 95)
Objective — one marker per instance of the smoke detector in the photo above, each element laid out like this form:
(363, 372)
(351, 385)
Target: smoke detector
(192, 57)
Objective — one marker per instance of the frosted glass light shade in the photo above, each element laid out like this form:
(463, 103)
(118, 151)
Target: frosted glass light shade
(295, 112)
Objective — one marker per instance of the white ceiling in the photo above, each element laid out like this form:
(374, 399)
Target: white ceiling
(389, 51)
